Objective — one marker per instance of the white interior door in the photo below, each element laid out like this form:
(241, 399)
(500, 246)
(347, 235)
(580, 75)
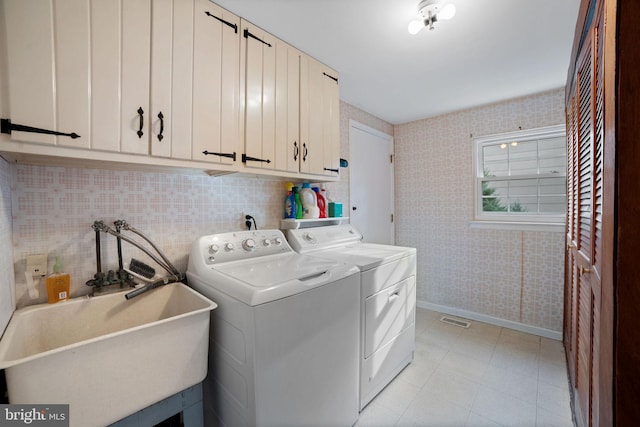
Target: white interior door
(371, 183)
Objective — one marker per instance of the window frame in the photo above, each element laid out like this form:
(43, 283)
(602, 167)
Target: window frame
(509, 220)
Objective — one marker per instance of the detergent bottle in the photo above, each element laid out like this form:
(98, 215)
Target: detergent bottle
(309, 202)
(322, 202)
(290, 202)
(296, 197)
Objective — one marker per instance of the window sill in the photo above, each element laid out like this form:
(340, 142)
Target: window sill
(519, 226)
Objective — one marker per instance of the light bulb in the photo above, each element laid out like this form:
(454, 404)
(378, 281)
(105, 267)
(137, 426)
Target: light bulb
(415, 26)
(447, 12)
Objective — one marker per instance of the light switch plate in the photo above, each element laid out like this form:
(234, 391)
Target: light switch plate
(37, 265)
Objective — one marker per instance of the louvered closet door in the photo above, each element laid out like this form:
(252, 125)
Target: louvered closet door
(572, 218)
(584, 229)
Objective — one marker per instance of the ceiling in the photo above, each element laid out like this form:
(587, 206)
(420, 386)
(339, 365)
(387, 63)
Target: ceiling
(490, 51)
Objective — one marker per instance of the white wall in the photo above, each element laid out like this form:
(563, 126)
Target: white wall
(510, 275)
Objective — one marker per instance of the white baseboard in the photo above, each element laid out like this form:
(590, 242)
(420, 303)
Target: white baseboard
(548, 333)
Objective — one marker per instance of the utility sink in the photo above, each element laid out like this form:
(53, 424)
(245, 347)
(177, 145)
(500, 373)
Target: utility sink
(105, 356)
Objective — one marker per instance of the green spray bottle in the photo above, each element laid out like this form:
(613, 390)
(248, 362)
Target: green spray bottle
(296, 197)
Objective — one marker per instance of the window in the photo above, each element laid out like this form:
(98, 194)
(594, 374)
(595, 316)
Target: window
(521, 176)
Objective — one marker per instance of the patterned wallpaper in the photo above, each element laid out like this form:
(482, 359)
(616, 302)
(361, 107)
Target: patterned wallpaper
(510, 275)
(53, 209)
(6, 252)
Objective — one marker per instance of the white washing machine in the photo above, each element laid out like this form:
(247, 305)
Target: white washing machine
(388, 298)
(284, 339)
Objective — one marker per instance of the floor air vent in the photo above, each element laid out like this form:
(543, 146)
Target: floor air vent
(455, 322)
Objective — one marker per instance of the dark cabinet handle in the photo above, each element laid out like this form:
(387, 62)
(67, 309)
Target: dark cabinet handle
(332, 170)
(141, 115)
(161, 117)
(296, 150)
(305, 152)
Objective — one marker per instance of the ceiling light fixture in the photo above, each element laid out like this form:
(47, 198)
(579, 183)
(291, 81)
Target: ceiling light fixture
(430, 11)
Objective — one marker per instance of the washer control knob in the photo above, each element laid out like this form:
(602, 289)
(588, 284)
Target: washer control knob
(229, 247)
(277, 241)
(249, 245)
(214, 249)
(309, 237)
(266, 242)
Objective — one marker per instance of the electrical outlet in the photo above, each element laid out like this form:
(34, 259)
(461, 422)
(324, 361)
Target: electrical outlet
(37, 265)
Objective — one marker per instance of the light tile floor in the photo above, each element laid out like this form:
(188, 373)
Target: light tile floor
(482, 376)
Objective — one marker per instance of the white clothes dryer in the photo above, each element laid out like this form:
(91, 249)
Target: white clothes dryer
(284, 339)
(388, 298)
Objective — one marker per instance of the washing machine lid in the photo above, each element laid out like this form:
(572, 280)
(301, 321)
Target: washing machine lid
(269, 278)
(272, 270)
(365, 255)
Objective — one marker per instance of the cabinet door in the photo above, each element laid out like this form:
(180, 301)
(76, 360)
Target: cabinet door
(135, 53)
(216, 84)
(319, 120)
(287, 149)
(259, 65)
(80, 66)
(311, 121)
(48, 69)
(120, 55)
(271, 93)
(171, 78)
(331, 122)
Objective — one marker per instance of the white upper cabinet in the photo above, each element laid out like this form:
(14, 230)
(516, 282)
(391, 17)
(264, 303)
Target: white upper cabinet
(181, 83)
(291, 111)
(319, 119)
(195, 81)
(35, 74)
(216, 84)
(125, 28)
(171, 78)
(80, 67)
(271, 89)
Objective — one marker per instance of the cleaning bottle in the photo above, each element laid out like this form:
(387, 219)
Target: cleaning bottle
(290, 202)
(309, 202)
(58, 284)
(322, 203)
(296, 197)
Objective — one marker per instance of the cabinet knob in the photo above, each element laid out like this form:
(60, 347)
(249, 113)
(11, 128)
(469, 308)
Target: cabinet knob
(584, 270)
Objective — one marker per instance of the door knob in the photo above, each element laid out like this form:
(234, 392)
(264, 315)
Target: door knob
(584, 270)
(354, 208)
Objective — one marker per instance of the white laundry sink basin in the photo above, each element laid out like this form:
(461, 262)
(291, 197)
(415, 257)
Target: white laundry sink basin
(105, 356)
